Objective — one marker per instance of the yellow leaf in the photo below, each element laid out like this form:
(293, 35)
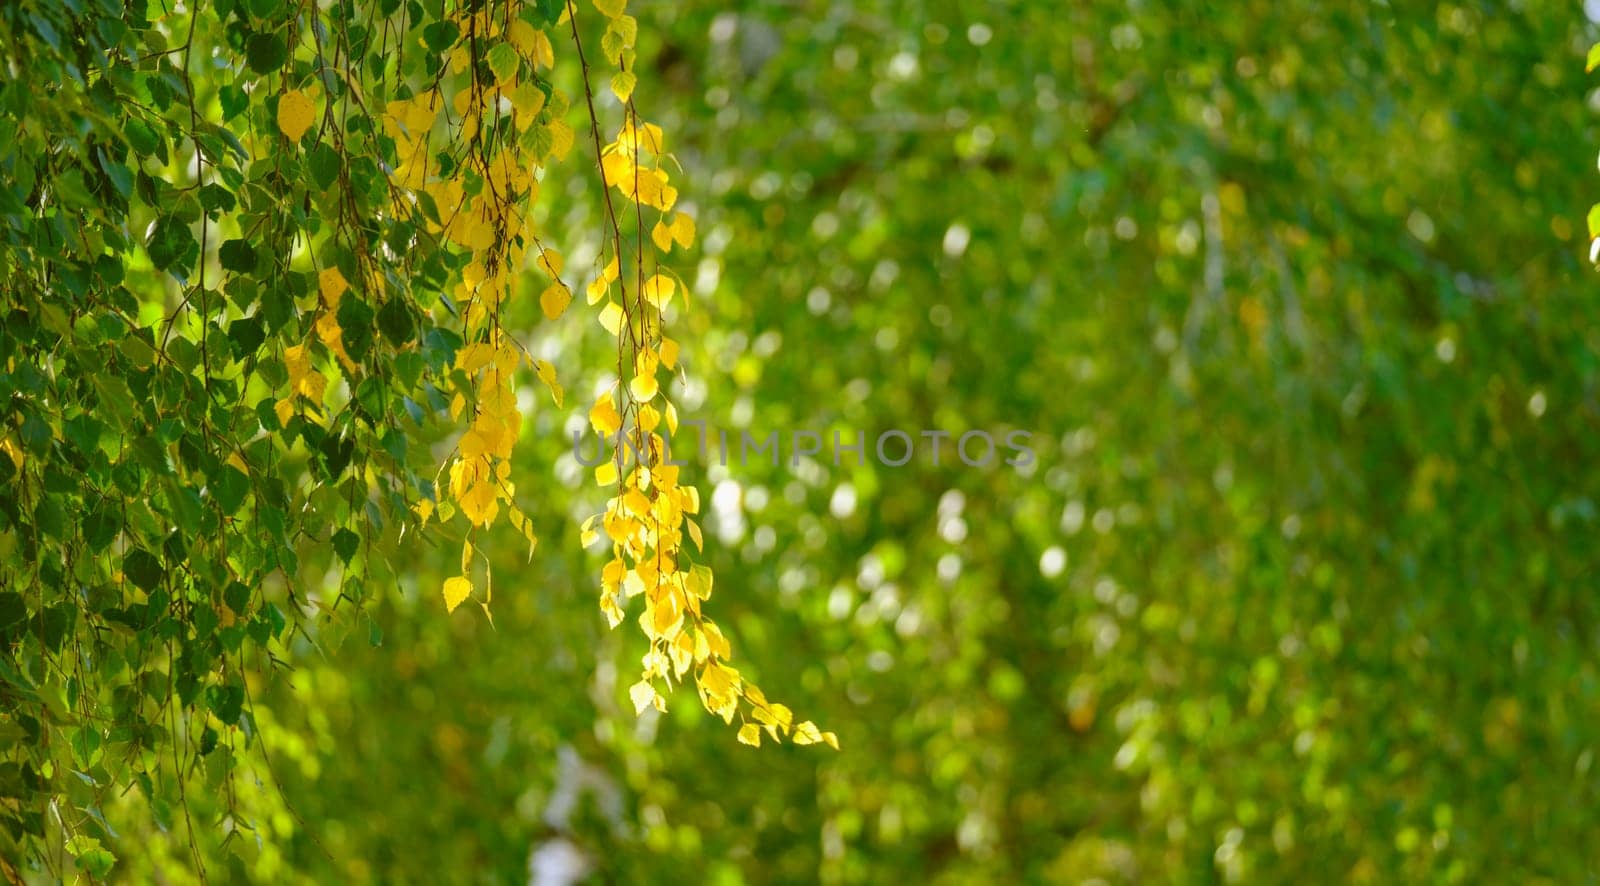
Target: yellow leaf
(547, 374)
(643, 695)
(332, 284)
(474, 357)
(622, 83)
(606, 474)
(561, 137)
(554, 300)
(313, 386)
(611, 8)
(466, 554)
(644, 388)
(456, 590)
(683, 229)
(296, 113)
(285, 410)
(661, 236)
(669, 354)
(551, 262)
(658, 290)
(528, 100)
(806, 732)
(626, 27)
(750, 734)
(604, 416)
(480, 504)
(611, 318)
(543, 52)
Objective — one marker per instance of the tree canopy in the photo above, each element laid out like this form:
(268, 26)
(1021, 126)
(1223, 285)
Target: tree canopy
(311, 311)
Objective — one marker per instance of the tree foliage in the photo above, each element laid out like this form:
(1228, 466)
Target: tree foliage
(258, 254)
(1292, 297)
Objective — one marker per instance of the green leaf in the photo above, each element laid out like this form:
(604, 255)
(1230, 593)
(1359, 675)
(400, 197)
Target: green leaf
(237, 255)
(355, 324)
(234, 101)
(226, 702)
(143, 569)
(396, 322)
(441, 35)
(216, 198)
(325, 164)
(229, 488)
(503, 61)
(13, 609)
(141, 136)
(101, 526)
(345, 544)
(265, 53)
(171, 244)
(267, 10)
(1594, 58)
(247, 334)
(119, 175)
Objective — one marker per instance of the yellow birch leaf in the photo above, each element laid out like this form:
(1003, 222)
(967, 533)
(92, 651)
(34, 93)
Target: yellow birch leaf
(625, 27)
(644, 388)
(554, 300)
(296, 113)
(658, 290)
(622, 83)
(661, 236)
(806, 732)
(683, 229)
(474, 357)
(543, 52)
(521, 36)
(561, 138)
(332, 284)
(528, 100)
(611, 318)
(643, 695)
(611, 8)
(456, 591)
(604, 416)
(750, 734)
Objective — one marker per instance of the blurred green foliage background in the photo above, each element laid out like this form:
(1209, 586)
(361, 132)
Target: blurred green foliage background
(1293, 298)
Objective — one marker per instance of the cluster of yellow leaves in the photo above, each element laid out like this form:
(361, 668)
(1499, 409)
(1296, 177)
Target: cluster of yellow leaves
(651, 513)
(617, 46)
(481, 205)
